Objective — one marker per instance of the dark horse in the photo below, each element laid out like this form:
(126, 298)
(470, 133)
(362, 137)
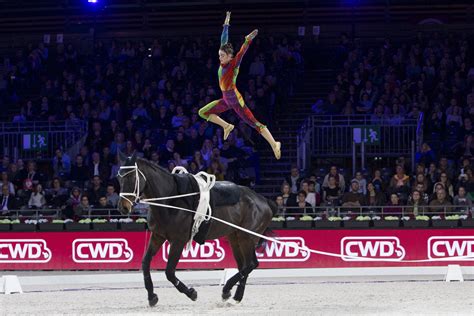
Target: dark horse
(233, 203)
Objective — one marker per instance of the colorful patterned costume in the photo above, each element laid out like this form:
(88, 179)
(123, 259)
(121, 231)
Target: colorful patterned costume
(231, 97)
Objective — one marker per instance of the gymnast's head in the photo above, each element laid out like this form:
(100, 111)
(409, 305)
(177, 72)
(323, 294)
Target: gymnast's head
(226, 53)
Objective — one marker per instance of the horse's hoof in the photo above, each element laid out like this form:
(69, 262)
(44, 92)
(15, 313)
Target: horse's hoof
(153, 301)
(225, 296)
(192, 294)
(237, 301)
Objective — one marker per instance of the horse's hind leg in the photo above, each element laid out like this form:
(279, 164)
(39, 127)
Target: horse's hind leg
(154, 245)
(247, 247)
(234, 243)
(176, 249)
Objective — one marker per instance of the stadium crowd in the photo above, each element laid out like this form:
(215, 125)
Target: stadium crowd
(427, 76)
(137, 97)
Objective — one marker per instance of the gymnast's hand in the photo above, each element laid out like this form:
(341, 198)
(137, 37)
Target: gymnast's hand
(227, 18)
(252, 35)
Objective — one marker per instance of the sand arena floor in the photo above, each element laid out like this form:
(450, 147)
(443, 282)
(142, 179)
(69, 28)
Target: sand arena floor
(278, 296)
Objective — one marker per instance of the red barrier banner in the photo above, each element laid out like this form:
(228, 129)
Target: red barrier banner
(353, 248)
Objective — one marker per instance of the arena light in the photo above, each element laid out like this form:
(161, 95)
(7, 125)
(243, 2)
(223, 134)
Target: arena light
(92, 1)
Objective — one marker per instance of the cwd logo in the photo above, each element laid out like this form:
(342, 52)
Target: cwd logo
(210, 251)
(371, 248)
(451, 246)
(289, 252)
(24, 251)
(92, 250)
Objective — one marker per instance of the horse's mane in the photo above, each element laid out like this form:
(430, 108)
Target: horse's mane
(153, 165)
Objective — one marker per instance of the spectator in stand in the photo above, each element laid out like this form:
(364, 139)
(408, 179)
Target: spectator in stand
(102, 207)
(178, 161)
(216, 169)
(400, 183)
(394, 206)
(98, 168)
(426, 155)
(302, 207)
(112, 196)
(281, 206)
(79, 172)
(463, 202)
(72, 203)
(440, 204)
(416, 203)
(311, 197)
(37, 198)
(373, 197)
(378, 181)
(353, 200)
(5, 163)
(7, 183)
(7, 202)
(294, 180)
(29, 177)
(289, 198)
(166, 153)
(61, 164)
(359, 177)
(84, 208)
(433, 173)
(56, 196)
(339, 178)
(96, 190)
(332, 193)
(443, 178)
(444, 166)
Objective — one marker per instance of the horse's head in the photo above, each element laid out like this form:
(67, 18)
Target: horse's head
(132, 183)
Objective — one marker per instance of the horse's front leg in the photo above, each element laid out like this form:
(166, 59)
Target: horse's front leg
(176, 249)
(154, 245)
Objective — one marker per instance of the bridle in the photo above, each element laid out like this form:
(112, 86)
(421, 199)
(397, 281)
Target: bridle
(136, 191)
(135, 195)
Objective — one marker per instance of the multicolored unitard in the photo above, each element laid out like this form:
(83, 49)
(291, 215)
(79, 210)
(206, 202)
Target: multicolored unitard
(231, 97)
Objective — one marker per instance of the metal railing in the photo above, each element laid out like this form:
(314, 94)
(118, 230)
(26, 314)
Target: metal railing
(325, 211)
(329, 136)
(39, 139)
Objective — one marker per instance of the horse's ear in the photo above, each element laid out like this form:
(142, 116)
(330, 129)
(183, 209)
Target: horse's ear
(134, 157)
(121, 156)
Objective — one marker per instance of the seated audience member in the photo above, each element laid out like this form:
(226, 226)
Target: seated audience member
(378, 181)
(7, 202)
(96, 190)
(56, 196)
(216, 169)
(359, 177)
(289, 198)
(394, 206)
(98, 168)
(84, 208)
(420, 187)
(72, 203)
(332, 192)
(463, 203)
(112, 196)
(400, 183)
(37, 198)
(416, 204)
(79, 171)
(281, 206)
(440, 204)
(302, 207)
(294, 180)
(6, 182)
(443, 178)
(312, 198)
(374, 198)
(337, 176)
(101, 209)
(352, 200)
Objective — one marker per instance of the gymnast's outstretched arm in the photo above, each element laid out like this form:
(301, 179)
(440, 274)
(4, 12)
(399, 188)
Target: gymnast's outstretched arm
(225, 30)
(245, 46)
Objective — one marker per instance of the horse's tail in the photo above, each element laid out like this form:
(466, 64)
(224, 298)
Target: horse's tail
(262, 243)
